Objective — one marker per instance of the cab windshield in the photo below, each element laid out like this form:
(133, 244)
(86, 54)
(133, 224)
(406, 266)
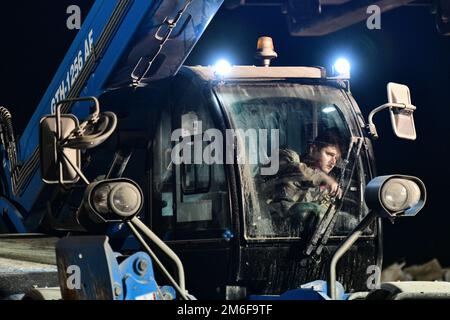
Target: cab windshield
(316, 187)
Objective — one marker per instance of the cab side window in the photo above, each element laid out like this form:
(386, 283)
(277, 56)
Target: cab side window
(191, 198)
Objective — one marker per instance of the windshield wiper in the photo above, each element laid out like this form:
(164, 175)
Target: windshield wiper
(327, 223)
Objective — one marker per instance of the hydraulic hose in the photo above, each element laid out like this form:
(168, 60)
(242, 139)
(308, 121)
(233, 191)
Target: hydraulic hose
(7, 137)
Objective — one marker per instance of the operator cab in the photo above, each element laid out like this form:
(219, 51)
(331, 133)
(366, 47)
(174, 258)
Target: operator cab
(217, 215)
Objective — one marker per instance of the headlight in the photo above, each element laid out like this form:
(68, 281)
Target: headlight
(125, 199)
(222, 68)
(100, 198)
(342, 68)
(110, 201)
(396, 195)
(400, 194)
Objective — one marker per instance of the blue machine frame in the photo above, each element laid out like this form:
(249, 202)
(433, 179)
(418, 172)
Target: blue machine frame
(121, 43)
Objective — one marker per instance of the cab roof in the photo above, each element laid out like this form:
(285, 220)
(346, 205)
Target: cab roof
(254, 72)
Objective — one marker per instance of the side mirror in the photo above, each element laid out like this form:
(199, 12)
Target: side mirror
(55, 167)
(401, 110)
(402, 118)
(62, 137)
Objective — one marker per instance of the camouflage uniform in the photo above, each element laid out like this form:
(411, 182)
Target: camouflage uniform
(296, 193)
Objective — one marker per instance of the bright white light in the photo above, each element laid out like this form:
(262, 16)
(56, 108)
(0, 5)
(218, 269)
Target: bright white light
(342, 67)
(329, 109)
(222, 68)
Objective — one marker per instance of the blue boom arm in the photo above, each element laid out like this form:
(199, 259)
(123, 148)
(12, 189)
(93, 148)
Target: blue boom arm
(122, 43)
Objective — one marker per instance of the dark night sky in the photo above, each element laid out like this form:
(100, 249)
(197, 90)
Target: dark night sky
(407, 49)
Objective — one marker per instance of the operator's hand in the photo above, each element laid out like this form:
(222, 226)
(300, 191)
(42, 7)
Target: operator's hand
(334, 189)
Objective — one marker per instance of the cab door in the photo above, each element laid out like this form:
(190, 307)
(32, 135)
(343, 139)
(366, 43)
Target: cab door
(191, 206)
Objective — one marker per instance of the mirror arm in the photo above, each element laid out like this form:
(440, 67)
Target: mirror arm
(74, 167)
(83, 99)
(60, 139)
(94, 115)
(135, 224)
(343, 248)
(371, 126)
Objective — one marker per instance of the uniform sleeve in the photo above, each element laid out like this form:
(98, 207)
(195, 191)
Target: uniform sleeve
(316, 176)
